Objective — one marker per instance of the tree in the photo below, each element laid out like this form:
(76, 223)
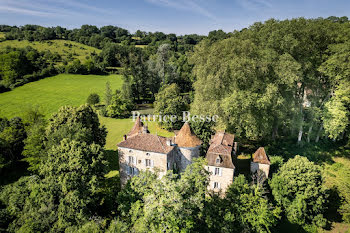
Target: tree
(244, 208)
(119, 107)
(170, 204)
(108, 94)
(75, 123)
(12, 134)
(67, 194)
(34, 148)
(169, 102)
(298, 189)
(93, 99)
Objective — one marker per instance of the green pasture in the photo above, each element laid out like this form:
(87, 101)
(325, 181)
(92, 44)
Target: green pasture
(62, 47)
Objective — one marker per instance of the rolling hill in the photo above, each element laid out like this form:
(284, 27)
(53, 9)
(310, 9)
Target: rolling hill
(63, 47)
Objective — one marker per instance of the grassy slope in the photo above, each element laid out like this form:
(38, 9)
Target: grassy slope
(66, 89)
(2, 35)
(78, 50)
(53, 92)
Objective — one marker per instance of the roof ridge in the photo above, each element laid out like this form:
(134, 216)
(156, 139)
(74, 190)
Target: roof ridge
(160, 143)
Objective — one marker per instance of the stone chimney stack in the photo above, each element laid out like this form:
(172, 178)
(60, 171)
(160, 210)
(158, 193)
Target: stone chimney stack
(145, 129)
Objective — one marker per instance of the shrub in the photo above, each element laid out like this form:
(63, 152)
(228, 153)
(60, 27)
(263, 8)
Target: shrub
(93, 99)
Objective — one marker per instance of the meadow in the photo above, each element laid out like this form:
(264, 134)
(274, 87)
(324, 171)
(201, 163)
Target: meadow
(51, 93)
(62, 47)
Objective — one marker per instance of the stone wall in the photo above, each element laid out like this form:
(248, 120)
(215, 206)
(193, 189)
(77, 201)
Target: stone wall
(186, 155)
(254, 167)
(158, 162)
(224, 179)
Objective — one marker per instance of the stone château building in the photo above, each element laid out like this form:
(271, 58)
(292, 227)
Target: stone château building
(140, 151)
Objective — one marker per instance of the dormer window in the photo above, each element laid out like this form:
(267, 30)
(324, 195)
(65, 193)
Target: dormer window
(130, 151)
(218, 160)
(148, 154)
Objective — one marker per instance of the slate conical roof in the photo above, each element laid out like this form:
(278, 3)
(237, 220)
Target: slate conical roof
(185, 138)
(260, 156)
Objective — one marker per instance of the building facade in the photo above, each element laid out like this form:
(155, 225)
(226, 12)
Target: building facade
(220, 165)
(140, 151)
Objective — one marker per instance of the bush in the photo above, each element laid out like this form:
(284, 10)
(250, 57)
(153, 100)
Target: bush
(298, 188)
(93, 99)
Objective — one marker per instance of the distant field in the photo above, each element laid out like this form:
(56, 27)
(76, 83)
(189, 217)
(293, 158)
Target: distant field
(53, 92)
(2, 35)
(63, 47)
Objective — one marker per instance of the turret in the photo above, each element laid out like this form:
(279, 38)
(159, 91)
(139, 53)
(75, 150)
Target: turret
(188, 144)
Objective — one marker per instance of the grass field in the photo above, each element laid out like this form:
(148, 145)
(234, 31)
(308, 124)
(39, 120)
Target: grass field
(2, 35)
(51, 93)
(62, 47)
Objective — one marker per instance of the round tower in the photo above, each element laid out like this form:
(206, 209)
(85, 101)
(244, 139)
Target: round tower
(189, 146)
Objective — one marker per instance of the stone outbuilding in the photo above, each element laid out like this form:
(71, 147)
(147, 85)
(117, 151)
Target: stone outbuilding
(220, 165)
(260, 161)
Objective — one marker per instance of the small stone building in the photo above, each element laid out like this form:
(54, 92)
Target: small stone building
(140, 151)
(220, 165)
(260, 161)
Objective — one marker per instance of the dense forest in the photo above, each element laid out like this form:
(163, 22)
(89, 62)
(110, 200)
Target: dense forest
(281, 84)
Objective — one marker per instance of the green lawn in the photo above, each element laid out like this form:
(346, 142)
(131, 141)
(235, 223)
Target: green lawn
(119, 127)
(62, 47)
(51, 93)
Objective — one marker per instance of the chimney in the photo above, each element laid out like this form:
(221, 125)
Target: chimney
(168, 142)
(145, 129)
(124, 137)
(235, 147)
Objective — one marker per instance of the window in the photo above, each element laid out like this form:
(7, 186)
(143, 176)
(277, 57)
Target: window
(149, 163)
(132, 171)
(130, 151)
(218, 159)
(168, 165)
(132, 160)
(148, 154)
(217, 171)
(216, 185)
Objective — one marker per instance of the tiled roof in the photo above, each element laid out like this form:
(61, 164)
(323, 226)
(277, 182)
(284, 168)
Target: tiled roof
(221, 145)
(220, 149)
(147, 142)
(260, 156)
(226, 160)
(185, 138)
(223, 138)
(137, 128)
